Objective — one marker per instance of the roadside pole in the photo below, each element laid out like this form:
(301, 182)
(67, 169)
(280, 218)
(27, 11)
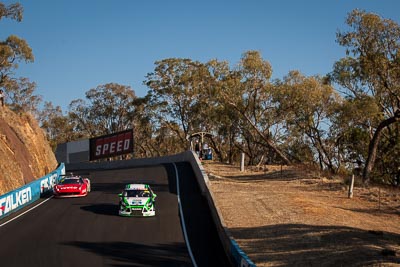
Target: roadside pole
(351, 187)
(242, 162)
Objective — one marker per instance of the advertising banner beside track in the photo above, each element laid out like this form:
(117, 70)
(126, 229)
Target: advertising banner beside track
(29, 193)
(111, 145)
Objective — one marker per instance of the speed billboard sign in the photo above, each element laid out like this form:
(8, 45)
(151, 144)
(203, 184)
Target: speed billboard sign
(111, 145)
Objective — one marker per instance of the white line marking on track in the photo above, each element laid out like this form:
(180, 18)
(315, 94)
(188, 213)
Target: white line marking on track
(182, 217)
(16, 217)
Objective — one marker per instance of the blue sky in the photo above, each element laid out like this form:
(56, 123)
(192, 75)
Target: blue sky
(80, 44)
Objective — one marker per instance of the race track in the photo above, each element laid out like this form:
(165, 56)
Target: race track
(88, 231)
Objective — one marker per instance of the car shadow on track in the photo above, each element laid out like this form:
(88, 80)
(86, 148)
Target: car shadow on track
(103, 209)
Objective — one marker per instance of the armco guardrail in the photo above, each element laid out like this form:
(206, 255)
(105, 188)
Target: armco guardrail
(29, 193)
(232, 249)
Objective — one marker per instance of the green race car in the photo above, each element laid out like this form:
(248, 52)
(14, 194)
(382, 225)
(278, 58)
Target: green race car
(137, 200)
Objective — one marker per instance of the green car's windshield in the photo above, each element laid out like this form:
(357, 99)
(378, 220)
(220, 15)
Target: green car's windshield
(136, 193)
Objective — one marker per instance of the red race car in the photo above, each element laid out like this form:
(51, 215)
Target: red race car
(71, 186)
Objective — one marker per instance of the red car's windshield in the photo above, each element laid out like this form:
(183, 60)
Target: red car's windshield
(70, 181)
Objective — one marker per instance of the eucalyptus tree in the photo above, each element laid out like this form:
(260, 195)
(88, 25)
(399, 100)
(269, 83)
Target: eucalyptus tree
(351, 124)
(144, 126)
(80, 117)
(249, 93)
(21, 97)
(108, 109)
(388, 165)
(372, 69)
(216, 117)
(227, 132)
(57, 127)
(174, 94)
(154, 138)
(13, 11)
(308, 104)
(13, 50)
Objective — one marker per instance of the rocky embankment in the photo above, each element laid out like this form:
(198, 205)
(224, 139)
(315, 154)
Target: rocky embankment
(25, 153)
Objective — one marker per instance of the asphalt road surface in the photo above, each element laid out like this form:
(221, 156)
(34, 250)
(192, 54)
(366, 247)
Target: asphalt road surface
(88, 231)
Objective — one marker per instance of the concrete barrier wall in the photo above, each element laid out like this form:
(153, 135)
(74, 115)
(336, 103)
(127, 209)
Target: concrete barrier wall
(238, 257)
(27, 194)
(232, 249)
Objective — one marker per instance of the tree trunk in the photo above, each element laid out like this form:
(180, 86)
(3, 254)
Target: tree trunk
(373, 145)
(269, 142)
(265, 138)
(216, 150)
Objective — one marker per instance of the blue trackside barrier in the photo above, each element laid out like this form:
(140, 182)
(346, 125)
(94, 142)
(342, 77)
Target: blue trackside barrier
(29, 193)
(240, 257)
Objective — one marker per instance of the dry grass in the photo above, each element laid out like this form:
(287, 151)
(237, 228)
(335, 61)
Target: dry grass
(291, 216)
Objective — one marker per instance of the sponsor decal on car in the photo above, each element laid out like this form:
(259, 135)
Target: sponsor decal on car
(68, 187)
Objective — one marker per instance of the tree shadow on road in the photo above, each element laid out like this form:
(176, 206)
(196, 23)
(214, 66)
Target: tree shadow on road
(131, 254)
(308, 245)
